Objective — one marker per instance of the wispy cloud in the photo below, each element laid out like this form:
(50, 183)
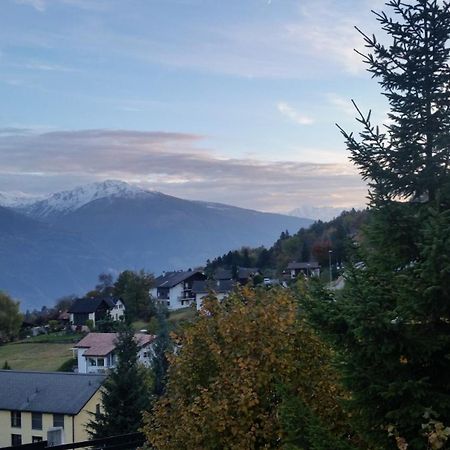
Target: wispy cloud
(46, 67)
(38, 5)
(42, 5)
(173, 163)
(320, 33)
(297, 117)
(341, 104)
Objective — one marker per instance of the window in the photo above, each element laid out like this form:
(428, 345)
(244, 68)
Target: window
(100, 362)
(36, 439)
(92, 362)
(16, 439)
(16, 419)
(36, 421)
(58, 420)
(97, 409)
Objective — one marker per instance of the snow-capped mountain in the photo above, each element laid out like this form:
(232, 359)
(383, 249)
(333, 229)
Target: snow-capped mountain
(59, 245)
(68, 201)
(17, 199)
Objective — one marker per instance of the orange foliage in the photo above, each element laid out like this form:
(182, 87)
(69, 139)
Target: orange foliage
(223, 388)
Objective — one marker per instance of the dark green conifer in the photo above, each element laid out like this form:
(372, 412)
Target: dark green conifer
(391, 324)
(125, 393)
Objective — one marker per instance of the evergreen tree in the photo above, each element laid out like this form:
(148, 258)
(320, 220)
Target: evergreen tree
(10, 318)
(392, 322)
(162, 345)
(125, 393)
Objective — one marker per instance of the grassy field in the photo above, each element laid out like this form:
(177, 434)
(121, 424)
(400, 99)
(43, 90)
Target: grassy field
(48, 352)
(35, 356)
(175, 319)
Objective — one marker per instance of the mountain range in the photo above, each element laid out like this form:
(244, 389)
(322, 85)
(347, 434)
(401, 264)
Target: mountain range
(58, 245)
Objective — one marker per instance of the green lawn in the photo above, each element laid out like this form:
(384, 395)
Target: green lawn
(182, 314)
(35, 356)
(54, 338)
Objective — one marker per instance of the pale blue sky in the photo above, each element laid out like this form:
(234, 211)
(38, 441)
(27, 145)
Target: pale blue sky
(245, 92)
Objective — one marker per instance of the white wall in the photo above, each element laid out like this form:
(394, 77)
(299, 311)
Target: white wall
(174, 293)
(82, 367)
(200, 296)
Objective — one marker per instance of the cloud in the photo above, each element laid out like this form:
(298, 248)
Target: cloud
(38, 5)
(294, 115)
(42, 5)
(174, 163)
(341, 104)
(46, 67)
(251, 46)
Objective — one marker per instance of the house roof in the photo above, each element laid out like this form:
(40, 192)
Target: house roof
(218, 286)
(90, 305)
(303, 265)
(102, 344)
(247, 272)
(51, 392)
(171, 279)
(223, 274)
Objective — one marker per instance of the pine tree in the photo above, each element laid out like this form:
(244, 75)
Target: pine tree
(125, 393)
(160, 363)
(391, 324)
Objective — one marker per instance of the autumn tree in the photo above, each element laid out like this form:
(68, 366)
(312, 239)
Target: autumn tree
(10, 318)
(238, 367)
(391, 325)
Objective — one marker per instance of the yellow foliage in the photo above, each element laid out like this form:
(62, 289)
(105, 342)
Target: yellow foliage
(223, 385)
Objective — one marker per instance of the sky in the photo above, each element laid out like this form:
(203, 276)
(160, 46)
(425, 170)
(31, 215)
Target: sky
(228, 101)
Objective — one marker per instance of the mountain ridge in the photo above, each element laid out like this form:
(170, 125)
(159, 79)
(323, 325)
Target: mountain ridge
(112, 226)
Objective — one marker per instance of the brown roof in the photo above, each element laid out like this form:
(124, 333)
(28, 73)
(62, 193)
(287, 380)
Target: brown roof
(101, 344)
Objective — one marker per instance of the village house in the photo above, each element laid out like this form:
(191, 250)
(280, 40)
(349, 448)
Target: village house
(219, 288)
(32, 403)
(95, 309)
(174, 289)
(95, 353)
(308, 269)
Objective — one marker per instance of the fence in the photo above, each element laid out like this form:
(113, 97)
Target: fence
(123, 442)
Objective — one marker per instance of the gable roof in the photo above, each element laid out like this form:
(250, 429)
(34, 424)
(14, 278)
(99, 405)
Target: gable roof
(102, 344)
(218, 286)
(247, 272)
(51, 392)
(223, 274)
(90, 305)
(171, 279)
(303, 265)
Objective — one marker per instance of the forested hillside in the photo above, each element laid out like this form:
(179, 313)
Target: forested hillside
(308, 244)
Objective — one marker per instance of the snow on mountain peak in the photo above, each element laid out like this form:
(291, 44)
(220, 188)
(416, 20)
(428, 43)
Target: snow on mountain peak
(17, 199)
(71, 200)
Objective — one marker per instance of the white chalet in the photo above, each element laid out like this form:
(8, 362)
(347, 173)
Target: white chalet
(174, 289)
(95, 352)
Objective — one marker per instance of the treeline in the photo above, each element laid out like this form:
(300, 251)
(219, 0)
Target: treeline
(308, 244)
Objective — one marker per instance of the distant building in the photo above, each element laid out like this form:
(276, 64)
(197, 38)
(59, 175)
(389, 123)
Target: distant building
(246, 274)
(84, 309)
(95, 353)
(308, 269)
(223, 274)
(31, 403)
(174, 289)
(220, 288)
